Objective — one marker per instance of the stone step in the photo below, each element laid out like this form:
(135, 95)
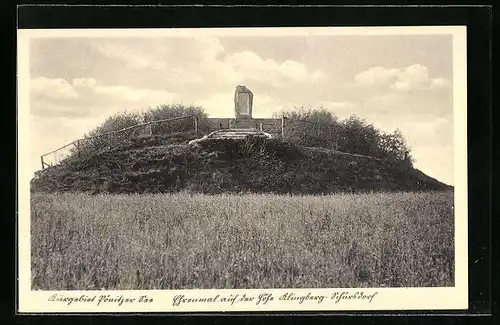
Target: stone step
(235, 134)
(228, 135)
(231, 137)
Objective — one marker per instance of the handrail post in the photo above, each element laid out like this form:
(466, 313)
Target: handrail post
(195, 118)
(283, 126)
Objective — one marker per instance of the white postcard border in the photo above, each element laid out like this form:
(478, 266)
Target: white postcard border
(163, 300)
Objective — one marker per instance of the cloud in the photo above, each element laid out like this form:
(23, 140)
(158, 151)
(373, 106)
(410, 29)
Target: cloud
(439, 83)
(340, 109)
(84, 82)
(134, 73)
(56, 89)
(221, 104)
(136, 95)
(250, 66)
(198, 66)
(208, 48)
(407, 105)
(182, 77)
(127, 93)
(338, 105)
(424, 120)
(139, 56)
(265, 106)
(82, 97)
(412, 78)
(42, 107)
(436, 131)
(218, 104)
(201, 60)
(377, 76)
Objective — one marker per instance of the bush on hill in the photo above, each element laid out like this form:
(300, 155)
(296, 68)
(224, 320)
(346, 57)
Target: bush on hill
(172, 111)
(94, 141)
(320, 128)
(306, 127)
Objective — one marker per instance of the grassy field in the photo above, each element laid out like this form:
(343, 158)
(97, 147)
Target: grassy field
(174, 241)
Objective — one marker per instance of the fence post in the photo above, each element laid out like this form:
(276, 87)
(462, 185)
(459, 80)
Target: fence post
(195, 119)
(283, 126)
(41, 159)
(78, 148)
(148, 128)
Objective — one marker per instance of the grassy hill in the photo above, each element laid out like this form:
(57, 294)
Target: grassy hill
(168, 164)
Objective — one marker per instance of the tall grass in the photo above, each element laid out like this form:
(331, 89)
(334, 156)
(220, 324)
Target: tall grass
(174, 241)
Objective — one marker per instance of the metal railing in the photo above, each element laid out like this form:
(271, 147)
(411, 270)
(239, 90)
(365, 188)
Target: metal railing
(112, 138)
(283, 126)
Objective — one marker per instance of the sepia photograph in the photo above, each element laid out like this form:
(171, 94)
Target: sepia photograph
(187, 160)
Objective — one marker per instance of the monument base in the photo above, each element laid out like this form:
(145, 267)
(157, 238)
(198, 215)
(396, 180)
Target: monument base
(242, 124)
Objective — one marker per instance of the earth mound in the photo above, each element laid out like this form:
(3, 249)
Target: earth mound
(159, 164)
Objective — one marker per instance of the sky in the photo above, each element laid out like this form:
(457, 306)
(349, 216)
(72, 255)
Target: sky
(392, 81)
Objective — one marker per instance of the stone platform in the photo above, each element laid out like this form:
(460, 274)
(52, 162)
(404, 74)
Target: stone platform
(242, 124)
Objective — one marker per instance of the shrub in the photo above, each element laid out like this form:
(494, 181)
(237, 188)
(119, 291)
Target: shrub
(306, 127)
(320, 128)
(116, 122)
(394, 146)
(94, 141)
(310, 127)
(171, 111)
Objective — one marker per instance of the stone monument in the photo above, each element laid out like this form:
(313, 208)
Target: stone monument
(243, 101)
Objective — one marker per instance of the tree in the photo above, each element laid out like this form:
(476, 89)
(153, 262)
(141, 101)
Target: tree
(394, 146)
(359, 137)
(310, 127)
(171, 111)
(119, 121)
(320, 128)
(123, 120)
(116, 122)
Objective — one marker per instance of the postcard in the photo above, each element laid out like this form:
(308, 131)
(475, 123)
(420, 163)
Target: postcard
(242, 169)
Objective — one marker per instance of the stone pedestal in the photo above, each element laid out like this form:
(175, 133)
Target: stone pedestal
(243, 101)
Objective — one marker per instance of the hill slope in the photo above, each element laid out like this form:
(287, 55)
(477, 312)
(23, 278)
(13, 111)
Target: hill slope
(254, 165)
